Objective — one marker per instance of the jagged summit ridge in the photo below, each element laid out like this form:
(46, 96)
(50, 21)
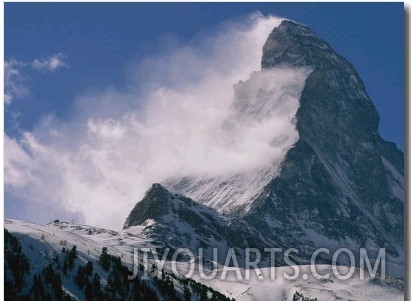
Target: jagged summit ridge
(334, 105)
(296, 44)
(293, 44)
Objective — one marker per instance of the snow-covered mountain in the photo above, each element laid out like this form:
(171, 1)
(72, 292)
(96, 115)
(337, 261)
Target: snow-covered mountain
(334, 183)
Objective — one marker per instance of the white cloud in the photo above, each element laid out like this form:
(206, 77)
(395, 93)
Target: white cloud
(182, 114)
(13, 81)
(51, 63)
(17, 164)
(15, 74)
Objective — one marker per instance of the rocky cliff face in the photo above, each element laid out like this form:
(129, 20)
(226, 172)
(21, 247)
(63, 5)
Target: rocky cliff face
(341, 180)
(339, 185)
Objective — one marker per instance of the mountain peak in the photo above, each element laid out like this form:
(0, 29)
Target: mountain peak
(334, 93)
(157, 188)
(297, 45)
(154, 205)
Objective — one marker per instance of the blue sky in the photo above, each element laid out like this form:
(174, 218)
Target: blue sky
(100, 40)
(76, 69)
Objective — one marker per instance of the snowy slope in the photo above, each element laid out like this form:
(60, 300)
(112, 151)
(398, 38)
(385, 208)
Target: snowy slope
(330, 289)
(41, 243)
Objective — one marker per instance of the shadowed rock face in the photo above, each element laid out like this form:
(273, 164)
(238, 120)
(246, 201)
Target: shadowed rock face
(341, 185)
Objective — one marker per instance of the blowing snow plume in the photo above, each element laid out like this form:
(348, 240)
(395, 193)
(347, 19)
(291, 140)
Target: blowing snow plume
(187, 113)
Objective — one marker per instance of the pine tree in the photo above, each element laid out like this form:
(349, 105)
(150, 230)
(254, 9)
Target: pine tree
(80, 277)
(72, 255)
(88, 270)
(105, 259)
